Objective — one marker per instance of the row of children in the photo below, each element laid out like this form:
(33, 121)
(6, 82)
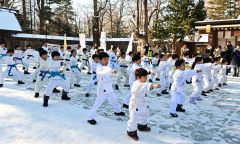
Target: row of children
(170, 72)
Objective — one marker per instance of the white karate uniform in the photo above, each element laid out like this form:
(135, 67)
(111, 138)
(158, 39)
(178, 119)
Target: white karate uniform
(20, 59)
(207, 80)
(138, 105)
(43, 74)
(67, 59)
(177, 89)
(145, 63)
(113, 59)
(123, 71)
(93, 78)
(85, 61)
(30, 56)
(222, 74)
(132, 78)
(154, 67)
(172, 70)
(104, 91)
(197, 81)
(214, 72)
(11, 70)
(56, 81)
(162, 69)
(75, 71)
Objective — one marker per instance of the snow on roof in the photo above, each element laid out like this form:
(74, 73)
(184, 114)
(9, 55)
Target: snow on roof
(51, 37)
(8, 21)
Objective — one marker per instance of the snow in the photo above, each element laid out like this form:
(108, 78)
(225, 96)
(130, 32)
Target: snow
(52, 37)
(24, 121)
(8, 21)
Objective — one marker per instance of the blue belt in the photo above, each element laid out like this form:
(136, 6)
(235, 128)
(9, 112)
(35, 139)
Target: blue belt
(67, 60)
(56, 73)
(11, 66)
(43, 74)
(113, 61)
(75, 66)
(2, 55)
(18, 58)
(95, 75)
(154, 65)
(124, 66)
(30, 56)
(146, 61)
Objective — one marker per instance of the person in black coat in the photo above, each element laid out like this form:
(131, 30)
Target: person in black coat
(236, 61)
(228, 54)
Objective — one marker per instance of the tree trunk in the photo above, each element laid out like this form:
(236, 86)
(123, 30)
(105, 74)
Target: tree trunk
(96, 32)
(24, 15)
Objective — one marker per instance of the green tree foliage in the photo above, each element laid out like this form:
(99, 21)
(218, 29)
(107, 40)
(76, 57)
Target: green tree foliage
(222, 9)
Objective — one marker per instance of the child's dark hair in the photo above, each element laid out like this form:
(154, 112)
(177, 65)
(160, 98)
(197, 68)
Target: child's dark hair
(123, 53)
(43, 52)
(156, 54)
(10, 51)
(197, 59)
(175, 56)
(114, 48)
(72, 51)
(94, 56)
(208, 60)
(55, 53)
(130, 53)
(102, 55)
(69, 47)
(141, 72)
(161, 56)
(29, 46)
(99, 50)
(61, 47)
(84, 49)
(216, 59)
(136, 57)
(179, 62)
(16, 46)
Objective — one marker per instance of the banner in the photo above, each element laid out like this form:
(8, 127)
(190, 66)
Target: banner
(82, 40)
(103, 39)
(65, 42)
(130, 44)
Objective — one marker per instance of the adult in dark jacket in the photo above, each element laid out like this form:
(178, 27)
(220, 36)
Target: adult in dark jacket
(236, 61)
(228, 54)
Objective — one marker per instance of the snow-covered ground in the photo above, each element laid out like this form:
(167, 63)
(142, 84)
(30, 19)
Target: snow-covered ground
(23, 120)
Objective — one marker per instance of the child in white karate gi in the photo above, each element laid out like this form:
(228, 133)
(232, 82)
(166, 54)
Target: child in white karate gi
(67, 58)
(30, 57)
(104, 89)
(93, 79)
(113, 59)
(223, 73)
(19, 55)
(138, 105)
(11, 68)
(75, 70)
(177, 89)
(215, 71)
(123, 70)
(162, 69)
(154, 67)
(197, 81)
(85, 62)
(136, 64)
(43, 75)
(56, 79)
(207, 77)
